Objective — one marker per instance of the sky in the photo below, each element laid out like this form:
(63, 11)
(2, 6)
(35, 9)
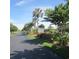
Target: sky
(21, 10)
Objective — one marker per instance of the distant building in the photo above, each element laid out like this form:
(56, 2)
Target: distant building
(41, 28)
(46, 24)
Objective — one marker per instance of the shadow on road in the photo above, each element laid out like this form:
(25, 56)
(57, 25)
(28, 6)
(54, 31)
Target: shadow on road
(35, 41)
(37, 53)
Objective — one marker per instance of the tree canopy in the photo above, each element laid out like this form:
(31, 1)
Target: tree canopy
(13, 28)
(27, 26)
(59, 15)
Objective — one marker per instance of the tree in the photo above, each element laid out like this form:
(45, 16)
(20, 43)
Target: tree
(27, 27)
(60, 17)
(36, 14)
(13, 28)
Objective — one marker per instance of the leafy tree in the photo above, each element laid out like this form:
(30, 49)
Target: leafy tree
(27, 27)
(13, 28)
(60, 17)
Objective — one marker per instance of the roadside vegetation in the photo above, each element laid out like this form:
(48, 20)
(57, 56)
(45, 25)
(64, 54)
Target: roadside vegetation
(13, 29)
(56, 40)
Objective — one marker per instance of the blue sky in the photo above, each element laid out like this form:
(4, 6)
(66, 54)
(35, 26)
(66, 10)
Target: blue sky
(21, 10)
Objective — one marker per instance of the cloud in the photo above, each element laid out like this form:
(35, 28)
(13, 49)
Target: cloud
(22, 2)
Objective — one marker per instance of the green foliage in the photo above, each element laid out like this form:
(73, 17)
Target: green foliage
(64, 28)
(52, 30)
(27, 27)
(48, 12)
(46, 44)
(34, 30)
(62, 38)
(59, 15)
(45, 36)
(62, 51)
(56, 36)
(13, 28)
(36, 14)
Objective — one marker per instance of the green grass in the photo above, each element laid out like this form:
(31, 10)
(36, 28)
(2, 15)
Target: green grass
(46, 44)
(31, 36)
(60, 51)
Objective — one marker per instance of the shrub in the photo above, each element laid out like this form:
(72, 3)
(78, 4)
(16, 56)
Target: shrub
(46, 36)
(62, 51)
(13, 28)
(62, 38)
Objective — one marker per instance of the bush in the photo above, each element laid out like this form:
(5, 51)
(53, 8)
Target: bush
(13, 28)
(46, 36)
(52, 30)
(34, 31)
(62, 51)
(62, 38)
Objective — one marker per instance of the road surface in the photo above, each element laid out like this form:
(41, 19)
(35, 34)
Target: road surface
(22, 48)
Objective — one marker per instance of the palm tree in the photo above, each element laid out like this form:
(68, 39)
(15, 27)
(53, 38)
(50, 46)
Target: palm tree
(36, 14)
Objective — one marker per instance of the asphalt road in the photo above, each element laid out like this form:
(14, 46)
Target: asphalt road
(21, 48)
